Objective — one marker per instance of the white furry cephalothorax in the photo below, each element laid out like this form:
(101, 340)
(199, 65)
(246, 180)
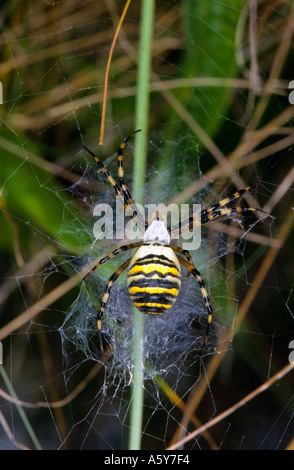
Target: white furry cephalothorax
(157, 231)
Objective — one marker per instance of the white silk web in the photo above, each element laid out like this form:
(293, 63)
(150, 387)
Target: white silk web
(211, 129)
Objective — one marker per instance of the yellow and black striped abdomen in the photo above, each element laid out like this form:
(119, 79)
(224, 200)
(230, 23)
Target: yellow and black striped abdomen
(154, 278)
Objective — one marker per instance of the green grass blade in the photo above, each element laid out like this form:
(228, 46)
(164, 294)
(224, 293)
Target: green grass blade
(22, 414)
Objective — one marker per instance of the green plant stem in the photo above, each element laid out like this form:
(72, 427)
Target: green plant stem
(142, 102)
(141, 118)
(20, 409)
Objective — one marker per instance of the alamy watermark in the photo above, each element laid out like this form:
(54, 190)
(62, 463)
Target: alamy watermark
(1, 353)
(114, 221)
(1, 93)
(291, 355)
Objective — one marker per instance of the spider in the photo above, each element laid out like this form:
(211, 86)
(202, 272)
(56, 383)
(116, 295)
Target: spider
(154, 270)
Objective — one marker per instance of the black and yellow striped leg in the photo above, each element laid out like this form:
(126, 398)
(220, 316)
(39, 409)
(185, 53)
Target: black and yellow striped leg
(191, 268)
(213, 212)
(105, 297)
(121, 189)
(183, 252)
(122, 183)
(111, 255)
(207, 215)
(129, 201)
(227, 200)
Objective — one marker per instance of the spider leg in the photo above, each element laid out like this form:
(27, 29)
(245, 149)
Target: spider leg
(111, 255)
(106, 173)
(213, 212)
(207, 216)
(122, 183)
(227, 200)
(191, 268)
(105, 297)
(185, 253)
(121, 189)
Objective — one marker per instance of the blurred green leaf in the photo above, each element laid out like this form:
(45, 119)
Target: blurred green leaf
(209, 51)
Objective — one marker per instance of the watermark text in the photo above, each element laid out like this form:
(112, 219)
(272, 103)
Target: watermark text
(291, 355)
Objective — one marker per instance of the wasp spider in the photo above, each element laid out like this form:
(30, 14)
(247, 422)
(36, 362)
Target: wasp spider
(154, 270)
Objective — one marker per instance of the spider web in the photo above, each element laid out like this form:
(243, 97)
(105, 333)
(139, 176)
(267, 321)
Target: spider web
(52, 71)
